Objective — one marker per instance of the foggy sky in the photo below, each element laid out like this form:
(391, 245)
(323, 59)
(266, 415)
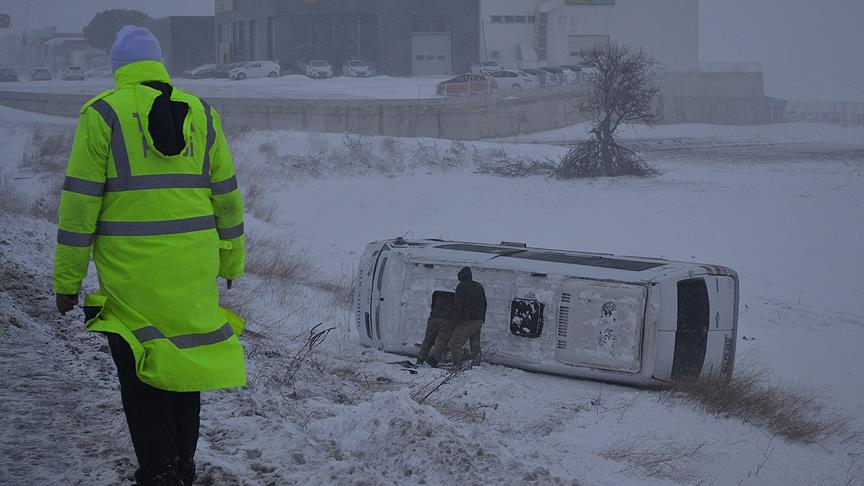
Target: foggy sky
(810, 49)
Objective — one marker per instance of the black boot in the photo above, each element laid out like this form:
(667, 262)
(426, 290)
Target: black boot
(166, 477)
(186, 471)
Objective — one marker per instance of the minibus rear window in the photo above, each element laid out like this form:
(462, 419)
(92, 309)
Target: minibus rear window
(381, 273)
(691, 339)
(694, 309)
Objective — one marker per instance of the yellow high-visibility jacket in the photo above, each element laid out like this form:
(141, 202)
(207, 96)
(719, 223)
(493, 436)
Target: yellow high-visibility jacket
(160, 229)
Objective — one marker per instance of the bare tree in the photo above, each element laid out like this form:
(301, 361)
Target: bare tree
(623, 91)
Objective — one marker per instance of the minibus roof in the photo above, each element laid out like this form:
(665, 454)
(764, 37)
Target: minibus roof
(545, 261)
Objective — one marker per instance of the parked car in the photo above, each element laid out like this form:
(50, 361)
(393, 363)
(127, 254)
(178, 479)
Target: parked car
(356, 68)
(585, 72)
(318, 68)
(467, 84)
(300, 66)
(191, 73)
(204, 72)
(41, 74)
(100, 72)
(571, 76)
(73, 73)
(8, 74)
(255, 69)
(542, 76)
(486, 67)
(589, 73)
(555, 76)
(221, 71)
(514, 80)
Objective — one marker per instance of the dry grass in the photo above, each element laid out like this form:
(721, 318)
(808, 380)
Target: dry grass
(343, 289)
(267, 149)
(519, 167)
(791, 412)
(43, 206)
(587, 159)
(48, 151)
(656, 460)
(277, 261)
(258, 204)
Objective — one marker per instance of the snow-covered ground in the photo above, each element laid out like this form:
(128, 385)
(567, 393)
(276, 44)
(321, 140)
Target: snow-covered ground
(291, 86)
(792, 229)
(783, 133)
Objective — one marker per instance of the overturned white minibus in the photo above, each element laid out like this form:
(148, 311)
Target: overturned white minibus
(621, 319)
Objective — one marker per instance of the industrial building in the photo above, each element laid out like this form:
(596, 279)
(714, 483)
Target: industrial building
(399, 37)
(421, 37)
(187, 41)
(531, 33)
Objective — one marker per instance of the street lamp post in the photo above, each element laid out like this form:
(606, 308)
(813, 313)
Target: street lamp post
(27, 34)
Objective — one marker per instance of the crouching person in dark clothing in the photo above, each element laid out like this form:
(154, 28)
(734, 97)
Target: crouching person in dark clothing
(441, 314)
(469, 314)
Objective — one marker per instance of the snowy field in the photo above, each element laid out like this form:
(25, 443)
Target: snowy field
(790, 222)
(292, 86)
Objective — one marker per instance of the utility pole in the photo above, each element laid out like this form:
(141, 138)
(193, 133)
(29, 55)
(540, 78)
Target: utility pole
(27, 35)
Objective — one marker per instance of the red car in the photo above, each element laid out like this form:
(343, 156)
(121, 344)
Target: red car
(467, 84)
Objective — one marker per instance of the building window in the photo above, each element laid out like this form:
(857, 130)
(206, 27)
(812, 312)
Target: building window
(589, 2)
(526, 318)
(513, 19)
(430, 23)
(270, 39)
(253, 39)
(578, 45)
(542, 29)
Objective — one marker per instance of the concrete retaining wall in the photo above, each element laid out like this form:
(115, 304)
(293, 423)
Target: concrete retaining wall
(846, 113)
(715, 98)
(454, 118)
(723, 98)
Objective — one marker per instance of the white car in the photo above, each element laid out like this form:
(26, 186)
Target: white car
(511, 80)
(255, 69)
(356, 68)
(73, 73)
(571, 76)
(317, 68)
(486, 67)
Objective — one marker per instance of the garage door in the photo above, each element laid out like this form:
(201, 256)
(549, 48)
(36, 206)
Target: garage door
(431, 54)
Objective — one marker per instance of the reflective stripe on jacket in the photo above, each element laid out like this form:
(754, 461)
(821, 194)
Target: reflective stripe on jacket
(160, 229)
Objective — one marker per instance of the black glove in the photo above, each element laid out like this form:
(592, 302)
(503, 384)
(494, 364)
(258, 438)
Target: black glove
(66, 302)
(228, 282)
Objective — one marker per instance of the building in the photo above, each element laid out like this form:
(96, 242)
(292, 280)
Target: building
(399, 37)
(530, 33)
(63, 50)
(187, 41)
(46, 48)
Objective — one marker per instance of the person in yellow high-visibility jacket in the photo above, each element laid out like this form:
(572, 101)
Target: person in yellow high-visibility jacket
(150, 192)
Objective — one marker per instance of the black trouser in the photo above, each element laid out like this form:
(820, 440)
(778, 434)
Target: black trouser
(163, 425)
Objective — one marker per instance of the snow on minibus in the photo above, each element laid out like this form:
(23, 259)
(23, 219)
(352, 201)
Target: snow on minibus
(630, 320)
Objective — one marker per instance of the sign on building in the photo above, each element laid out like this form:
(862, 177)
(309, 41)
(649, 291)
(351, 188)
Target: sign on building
(224, 6)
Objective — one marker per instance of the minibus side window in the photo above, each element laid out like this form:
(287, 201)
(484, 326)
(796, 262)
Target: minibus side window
(526, 318)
